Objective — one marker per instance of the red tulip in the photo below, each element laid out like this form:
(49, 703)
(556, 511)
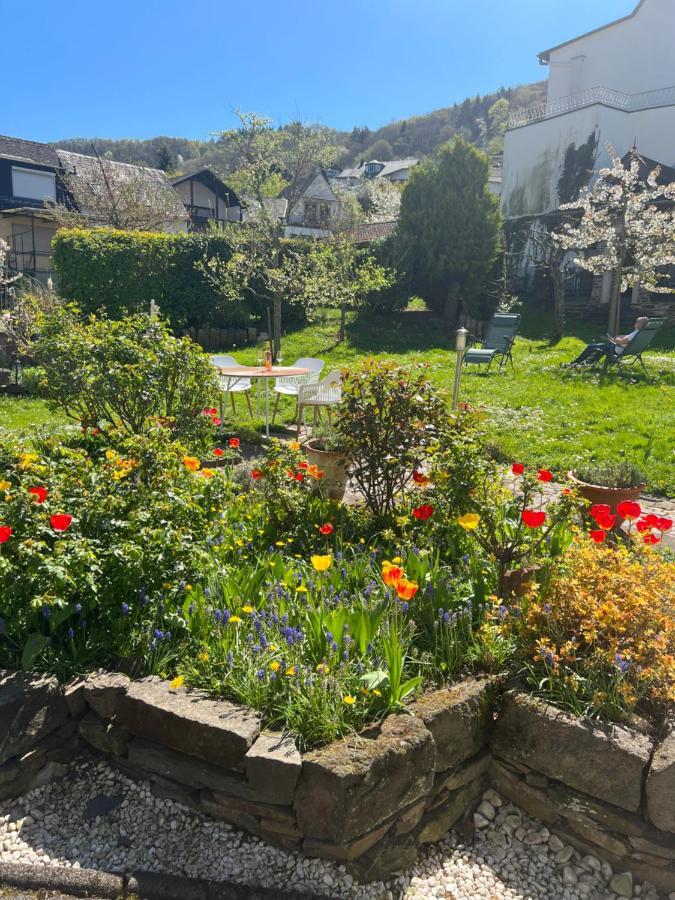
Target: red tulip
(210, 411)
(651, 538)
(607, 522)
(420, 478)
(544, 475)
(61, 521)
(599, 510)
(663, 523)
(218, 451)
(533, 518)
(39, 493)
(256, 474)
(629, 510)
(517, 468)
(5, 533)
(598, 536)
(423, 512)
(327, 528)
(215, 421)
(643, 525)
(233, 442)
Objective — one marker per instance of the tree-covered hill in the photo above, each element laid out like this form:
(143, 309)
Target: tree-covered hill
(480, 119)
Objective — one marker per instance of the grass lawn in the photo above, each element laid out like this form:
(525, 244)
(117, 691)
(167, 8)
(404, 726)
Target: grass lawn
(540, 414)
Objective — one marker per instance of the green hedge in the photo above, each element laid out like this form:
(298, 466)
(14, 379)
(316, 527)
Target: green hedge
(122, 271)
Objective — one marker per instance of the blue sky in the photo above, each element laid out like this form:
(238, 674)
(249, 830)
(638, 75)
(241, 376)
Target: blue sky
(145, 68)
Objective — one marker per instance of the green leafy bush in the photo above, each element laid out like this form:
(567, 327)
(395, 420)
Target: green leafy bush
(125, 373)
(619, 474)
(387, 421)
(121, 271)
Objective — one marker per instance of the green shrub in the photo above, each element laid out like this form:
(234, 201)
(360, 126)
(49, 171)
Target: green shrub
(125, 373)
(620, 474)
(121, 271)
(387, 421)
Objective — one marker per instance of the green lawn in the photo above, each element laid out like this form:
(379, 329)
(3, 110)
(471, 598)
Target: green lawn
(540, 414)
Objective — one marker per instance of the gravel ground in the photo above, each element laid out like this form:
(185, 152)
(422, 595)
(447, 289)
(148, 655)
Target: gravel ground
(98, 818)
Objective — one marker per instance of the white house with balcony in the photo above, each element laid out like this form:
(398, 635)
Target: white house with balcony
(612, 86)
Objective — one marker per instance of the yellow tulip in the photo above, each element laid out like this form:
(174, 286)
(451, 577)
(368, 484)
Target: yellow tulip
(322, 563)
(469, 521)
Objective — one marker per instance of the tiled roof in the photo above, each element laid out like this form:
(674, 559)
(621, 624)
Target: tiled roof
(372, 231)
(28, 151)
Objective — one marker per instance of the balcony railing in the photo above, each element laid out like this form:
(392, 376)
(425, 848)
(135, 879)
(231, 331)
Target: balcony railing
(591, 97)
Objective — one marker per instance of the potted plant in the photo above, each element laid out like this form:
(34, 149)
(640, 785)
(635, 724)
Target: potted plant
(325, 450)
(611, 483)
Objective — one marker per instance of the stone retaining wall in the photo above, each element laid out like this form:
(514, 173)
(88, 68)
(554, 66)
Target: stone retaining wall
(371, 800)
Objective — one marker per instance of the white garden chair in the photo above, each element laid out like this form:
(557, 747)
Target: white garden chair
(322, 394)
(290, 387)
(231, 385)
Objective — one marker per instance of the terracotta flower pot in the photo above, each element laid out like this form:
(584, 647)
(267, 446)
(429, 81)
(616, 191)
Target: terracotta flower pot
(598, 493)
(335, 467)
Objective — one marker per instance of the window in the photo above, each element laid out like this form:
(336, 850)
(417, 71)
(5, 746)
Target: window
(317, 214)
(30, 184)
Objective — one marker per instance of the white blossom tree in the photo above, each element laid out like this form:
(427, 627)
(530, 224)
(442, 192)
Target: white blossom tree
(625, 225)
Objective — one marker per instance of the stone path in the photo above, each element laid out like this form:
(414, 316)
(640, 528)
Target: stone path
(512, 857)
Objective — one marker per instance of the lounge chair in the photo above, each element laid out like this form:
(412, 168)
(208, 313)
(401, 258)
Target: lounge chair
(633, 352)
(498, 342)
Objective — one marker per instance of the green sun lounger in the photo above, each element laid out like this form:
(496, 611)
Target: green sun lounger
(633, 352)
(498, 343)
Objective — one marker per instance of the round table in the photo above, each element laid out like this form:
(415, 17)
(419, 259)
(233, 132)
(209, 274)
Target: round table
(233, 374)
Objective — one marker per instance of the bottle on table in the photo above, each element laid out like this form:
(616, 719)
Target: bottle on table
(268, 360)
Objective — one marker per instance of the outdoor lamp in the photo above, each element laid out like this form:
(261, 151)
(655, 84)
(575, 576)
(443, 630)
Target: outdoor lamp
(460, 345)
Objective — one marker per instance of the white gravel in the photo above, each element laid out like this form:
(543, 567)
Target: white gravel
(512, 857)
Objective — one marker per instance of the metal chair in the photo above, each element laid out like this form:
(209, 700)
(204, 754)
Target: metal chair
(324, 393)
(290, 387)
(499, 340)
(229, 384)
(637, 347)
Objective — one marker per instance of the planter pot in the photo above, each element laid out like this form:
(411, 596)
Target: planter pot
(597, 493)
(335, 467)
(517, 582)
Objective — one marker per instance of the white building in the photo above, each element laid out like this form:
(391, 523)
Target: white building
(612, 86)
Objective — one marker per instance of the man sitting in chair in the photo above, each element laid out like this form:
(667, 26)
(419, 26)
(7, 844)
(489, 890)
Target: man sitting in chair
(613, 346)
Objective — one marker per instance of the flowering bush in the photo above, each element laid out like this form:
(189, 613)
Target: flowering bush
(600, 639)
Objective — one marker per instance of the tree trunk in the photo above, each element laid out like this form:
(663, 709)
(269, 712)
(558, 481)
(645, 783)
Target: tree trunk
(615, 304)
(558, 301)
(343, 323)
(276, 327)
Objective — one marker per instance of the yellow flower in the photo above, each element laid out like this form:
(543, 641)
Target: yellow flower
(202, 657)
(5, 485)
(26, 460)
(469, 521)
(279, 544)
(322, 668)
(247, 609)
(291, 671)
(271, 647)
(208, 473)
(191, 463)
(234, 620)
(395, 561)
(110, 455)
(377, 692)
(301, 589)
(178, 682)
(349, 700)
(294, 445)
(321, 563)
(275, 666)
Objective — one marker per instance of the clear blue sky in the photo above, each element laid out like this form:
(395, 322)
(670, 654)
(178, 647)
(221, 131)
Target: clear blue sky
(146, 68)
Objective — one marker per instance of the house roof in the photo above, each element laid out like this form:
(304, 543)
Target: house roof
(83, 173)
(545, 55)
(388, 168)
(372, 231)
(647, 166)
(276, 207)
(314, 187)
(28, 151)
(209, 178)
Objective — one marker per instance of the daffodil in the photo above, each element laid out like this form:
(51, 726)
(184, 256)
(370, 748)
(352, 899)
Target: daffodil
(469, 521)
(321, 563)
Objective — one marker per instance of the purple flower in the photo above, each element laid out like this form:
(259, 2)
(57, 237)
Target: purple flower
(124, 608)
(78, 607)
(47, 612)
(70, 634)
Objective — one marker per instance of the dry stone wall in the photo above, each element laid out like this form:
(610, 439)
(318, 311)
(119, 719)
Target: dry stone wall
(369, 801)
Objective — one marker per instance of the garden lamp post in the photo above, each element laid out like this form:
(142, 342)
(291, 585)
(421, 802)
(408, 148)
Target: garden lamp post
(460, 344)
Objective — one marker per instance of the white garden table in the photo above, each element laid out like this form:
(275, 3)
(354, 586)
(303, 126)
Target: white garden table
(233, 374)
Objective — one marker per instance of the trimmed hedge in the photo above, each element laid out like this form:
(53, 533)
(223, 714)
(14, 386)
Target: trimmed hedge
(122, 271)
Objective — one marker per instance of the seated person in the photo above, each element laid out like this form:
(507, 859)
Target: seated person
(610, 347)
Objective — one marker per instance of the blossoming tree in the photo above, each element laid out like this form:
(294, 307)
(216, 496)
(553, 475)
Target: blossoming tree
(626, 226)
